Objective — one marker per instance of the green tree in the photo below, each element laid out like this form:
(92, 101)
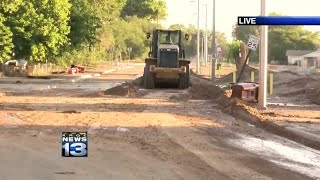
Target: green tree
(39, 28)
(283, 38)
(243, 33)
(150, 9)
(131, 33)
(108, 10)
(222, 42)
(222, 39)
(233, 50)
(84, 23)
(6, 45)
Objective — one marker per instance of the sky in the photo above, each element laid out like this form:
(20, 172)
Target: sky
(227, 11)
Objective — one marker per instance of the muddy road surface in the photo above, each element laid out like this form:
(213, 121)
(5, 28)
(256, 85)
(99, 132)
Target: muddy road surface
(160, 134)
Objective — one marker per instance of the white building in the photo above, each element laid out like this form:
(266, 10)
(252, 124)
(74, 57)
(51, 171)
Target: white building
(297, 55)
(310, 60)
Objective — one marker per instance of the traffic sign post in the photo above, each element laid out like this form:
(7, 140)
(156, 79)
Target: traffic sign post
(252, 44)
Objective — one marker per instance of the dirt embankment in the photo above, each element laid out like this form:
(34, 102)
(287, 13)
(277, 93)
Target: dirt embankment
(203, 89)
(308, 87)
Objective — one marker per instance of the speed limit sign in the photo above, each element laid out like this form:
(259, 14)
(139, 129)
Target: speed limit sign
(253, 42)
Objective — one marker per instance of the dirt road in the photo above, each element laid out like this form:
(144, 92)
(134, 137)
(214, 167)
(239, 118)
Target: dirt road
(155, 136)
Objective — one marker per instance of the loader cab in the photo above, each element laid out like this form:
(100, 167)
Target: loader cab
(166, 47)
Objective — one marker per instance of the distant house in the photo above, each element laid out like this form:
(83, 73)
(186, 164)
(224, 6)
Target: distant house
(296, 55)
(310, 60)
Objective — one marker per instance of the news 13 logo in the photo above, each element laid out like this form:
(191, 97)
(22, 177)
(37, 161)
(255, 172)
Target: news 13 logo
(74, 144)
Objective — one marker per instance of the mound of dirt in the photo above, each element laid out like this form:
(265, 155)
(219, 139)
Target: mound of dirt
(124, 89)
(313, 95)
(306, 87)
(302, 82)
(293, 93)
(128, 89)
(206, 91)
(138, 81)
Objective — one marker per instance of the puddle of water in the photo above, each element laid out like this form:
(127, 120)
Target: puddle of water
(291, 155)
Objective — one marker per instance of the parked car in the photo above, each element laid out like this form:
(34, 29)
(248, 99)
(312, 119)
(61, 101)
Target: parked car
(21, 63)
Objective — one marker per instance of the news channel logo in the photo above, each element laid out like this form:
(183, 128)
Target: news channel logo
(74, 144)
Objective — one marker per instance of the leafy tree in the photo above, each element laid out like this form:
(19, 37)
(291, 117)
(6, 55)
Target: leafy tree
(108, 10)
(6, 45)
(76, 31)
(283, 38)
(221, 42)
(84, 23)
(39, 28)
(233, 51)
(131, 33)
(150, 9)
(222, 39)
(243, 33)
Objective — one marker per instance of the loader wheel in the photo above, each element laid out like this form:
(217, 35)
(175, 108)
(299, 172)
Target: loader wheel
(148, 78)
(184, 81)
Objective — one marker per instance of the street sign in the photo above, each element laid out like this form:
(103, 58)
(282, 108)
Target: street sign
(253, 42)
(129, 50)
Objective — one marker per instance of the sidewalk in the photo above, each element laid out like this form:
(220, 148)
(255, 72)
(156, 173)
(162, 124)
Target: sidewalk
(104, 69)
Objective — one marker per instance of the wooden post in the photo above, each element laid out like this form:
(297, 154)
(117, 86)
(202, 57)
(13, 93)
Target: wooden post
(252, 76)
(271, 83)
(234, 76)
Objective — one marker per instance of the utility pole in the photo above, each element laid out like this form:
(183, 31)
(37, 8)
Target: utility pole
(202, 51)
(206, 38)
(198, 39)
(213, 61)
(263, 74)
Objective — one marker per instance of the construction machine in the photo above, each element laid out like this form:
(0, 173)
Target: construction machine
(166, 62)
